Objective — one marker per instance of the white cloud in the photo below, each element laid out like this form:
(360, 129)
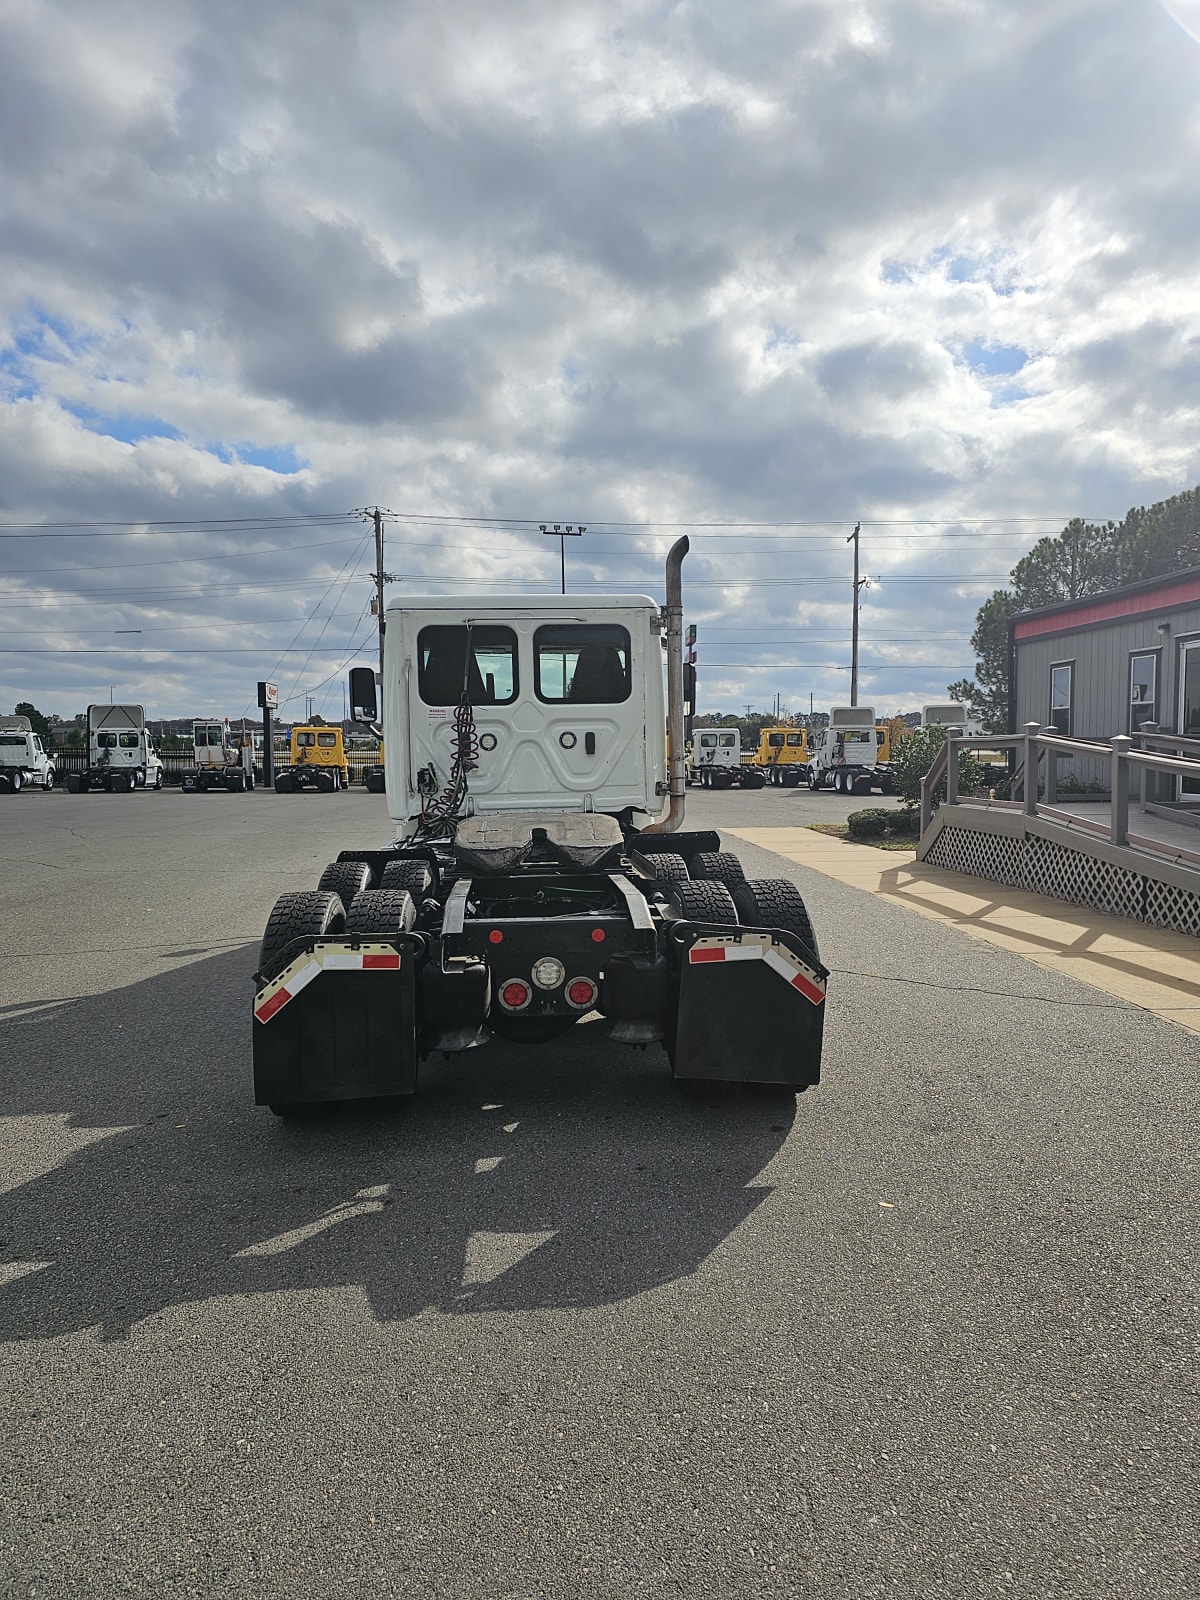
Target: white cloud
(606, 263)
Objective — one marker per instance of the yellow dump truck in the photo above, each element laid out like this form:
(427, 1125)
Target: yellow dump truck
(784, 753)
(317, 760)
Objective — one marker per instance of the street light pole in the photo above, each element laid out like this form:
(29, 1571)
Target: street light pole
(853, 539)
(562, 534)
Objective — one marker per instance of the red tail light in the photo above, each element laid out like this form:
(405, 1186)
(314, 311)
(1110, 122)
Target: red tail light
(515, 995)
(581, 994)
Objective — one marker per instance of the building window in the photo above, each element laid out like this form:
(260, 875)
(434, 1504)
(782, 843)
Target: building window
(1143, 690)
(1061, 695)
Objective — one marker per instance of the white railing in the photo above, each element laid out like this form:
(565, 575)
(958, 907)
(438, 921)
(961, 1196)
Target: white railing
(1036, 747)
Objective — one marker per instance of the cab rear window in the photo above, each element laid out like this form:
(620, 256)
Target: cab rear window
(582, 663)
(327, 741)
(480, 662)
(129, 741)
(775, 741)
(795, 738)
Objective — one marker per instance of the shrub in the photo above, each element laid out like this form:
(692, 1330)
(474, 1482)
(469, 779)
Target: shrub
(878, 823)
(914, 756)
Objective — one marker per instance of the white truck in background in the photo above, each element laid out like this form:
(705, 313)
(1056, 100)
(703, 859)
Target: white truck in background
(714, 761)
(23, 757)
(844, 755)
(219, 762)
(119, 753)
(954, 718)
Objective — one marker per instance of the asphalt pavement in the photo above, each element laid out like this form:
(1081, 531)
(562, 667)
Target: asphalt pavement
(557, 1330)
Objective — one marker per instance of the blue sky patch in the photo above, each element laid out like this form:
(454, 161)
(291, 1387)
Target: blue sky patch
(129, 429)
(281, 458)
(997, 360)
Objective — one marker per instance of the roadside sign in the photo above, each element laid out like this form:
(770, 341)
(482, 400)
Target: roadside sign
(268, 696)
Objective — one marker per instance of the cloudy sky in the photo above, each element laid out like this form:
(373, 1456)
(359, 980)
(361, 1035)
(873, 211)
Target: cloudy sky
(756, 270)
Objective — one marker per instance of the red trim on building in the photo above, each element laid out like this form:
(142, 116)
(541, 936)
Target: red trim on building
(1105, 610)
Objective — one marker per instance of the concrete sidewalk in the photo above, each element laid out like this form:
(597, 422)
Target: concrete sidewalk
(1153, 968)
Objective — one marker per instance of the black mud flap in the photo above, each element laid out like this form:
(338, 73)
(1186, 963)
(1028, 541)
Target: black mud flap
(751, 1006)
(338, 1023)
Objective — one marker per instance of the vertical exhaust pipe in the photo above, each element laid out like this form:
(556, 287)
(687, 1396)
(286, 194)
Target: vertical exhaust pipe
(676, 756)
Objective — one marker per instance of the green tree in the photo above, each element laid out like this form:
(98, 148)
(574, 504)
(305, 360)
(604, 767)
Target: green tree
(1164, 538)
(39, 723)
(914, 756)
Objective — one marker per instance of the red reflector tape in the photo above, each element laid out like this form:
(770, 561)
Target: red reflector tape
(271, 1000)
(267, 1010)
(761, 948)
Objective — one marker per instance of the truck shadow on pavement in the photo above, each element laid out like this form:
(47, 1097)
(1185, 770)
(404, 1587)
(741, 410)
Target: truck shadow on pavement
(576, 1174)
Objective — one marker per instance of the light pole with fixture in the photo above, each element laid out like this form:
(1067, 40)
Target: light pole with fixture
(562, 534)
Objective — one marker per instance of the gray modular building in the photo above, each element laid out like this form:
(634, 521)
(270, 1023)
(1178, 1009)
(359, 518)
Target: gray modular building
(1112, 663)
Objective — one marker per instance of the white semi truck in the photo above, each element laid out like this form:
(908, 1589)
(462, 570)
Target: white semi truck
(218, 762)
(844, 755)
(23, 758)
(715, 761)
(120, 755)
(540, 872)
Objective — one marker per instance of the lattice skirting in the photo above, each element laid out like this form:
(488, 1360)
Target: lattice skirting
(1045, 867)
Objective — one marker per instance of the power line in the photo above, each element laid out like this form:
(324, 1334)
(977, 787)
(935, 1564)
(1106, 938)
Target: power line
(175, 561)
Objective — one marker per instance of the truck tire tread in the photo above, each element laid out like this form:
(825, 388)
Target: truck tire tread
(381, 911)
(345, 879)
(299, 914)
(719, 866)
(775, 903)
(670, 868)
(414, 876)
(701, 900)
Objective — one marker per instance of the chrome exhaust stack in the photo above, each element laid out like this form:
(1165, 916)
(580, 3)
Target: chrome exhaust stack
(676, 755)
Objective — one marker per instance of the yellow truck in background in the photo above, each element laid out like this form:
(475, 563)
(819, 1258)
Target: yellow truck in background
(317, 760)
(784, 753)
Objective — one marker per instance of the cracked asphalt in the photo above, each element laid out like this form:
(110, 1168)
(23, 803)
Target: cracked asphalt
(557, 1330)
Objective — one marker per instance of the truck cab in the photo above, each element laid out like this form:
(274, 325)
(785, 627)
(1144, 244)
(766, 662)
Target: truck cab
(551, 698)
(119, 753)
(317, 760)
(23, 758)
(715, 761)
(845, 754)
(783, 752)
(218, 762)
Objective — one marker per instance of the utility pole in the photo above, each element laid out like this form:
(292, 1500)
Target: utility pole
(379, 577)
(853, 539)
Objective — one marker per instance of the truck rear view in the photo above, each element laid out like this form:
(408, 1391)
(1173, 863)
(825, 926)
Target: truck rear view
(540, 873)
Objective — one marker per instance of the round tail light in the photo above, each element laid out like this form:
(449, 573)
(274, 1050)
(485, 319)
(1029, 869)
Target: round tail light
(515, 994)
(581, 994)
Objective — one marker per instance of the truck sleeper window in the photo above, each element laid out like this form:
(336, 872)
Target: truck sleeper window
(582, 663)
(486, 667)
